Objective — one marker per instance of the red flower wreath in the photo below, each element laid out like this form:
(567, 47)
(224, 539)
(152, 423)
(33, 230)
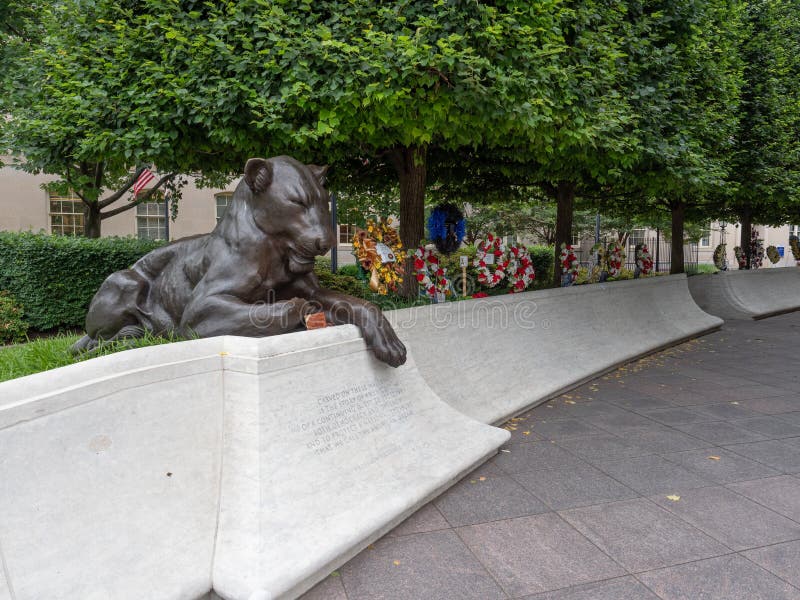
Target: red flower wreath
(492, 271)
(520, 272)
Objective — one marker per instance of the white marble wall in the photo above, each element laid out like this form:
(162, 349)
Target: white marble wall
(748, 294)
(495, 357)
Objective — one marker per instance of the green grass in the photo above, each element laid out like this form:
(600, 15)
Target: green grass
(700, 269)
(53, 352)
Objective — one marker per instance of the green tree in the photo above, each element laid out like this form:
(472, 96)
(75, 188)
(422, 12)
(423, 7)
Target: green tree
(80, 109)
(765, 164)
(685, 82)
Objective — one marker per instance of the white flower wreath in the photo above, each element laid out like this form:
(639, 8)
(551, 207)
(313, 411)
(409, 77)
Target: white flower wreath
(491, 261)
(520, 268)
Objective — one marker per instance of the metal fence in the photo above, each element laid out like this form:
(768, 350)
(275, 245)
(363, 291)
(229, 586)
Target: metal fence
(660, 250)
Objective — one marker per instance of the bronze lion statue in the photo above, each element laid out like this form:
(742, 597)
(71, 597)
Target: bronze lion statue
(253, 275)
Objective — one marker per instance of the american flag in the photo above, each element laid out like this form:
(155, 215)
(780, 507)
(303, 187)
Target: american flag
(142, 181)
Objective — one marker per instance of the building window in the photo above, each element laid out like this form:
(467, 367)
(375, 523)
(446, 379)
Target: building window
(346, 233)
(705, 238)
(794, 230)
(223, 199)
(151, 223)
(66, 214)
(636, 237)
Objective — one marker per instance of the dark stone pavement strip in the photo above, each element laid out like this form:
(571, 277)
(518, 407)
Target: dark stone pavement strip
(621, 588)
(725, 578)
(577, 507)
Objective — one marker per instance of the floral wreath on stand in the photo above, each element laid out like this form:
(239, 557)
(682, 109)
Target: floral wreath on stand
(794, 244)
(602, 263)
(773, 255)
(719, 257)
(643, 260)
(756, 250)
(740, 257)
(491, 261)
(520, 269)
(569, 263)
(614, 259)
(377, 249)
(429, 273)
(446, 228)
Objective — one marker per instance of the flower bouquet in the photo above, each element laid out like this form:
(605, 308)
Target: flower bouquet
(794, 244)
(740, 257)
(773, 255)
(491, 261)
(756, 250)
(644, 262)
(719, 257)
(377, 249)
(569, 265)
(520, 269)
(615, 258)
(430, 275)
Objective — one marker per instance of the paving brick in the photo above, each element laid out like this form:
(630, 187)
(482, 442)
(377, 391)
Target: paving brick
(478, 500)
(731, 518)
(641, 535)
(652, 475)
(573, 486)
(537, 554)
(435, 566)
(724, 578)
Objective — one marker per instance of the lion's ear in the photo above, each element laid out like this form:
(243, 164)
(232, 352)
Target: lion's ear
(318, 172)
(258, 174)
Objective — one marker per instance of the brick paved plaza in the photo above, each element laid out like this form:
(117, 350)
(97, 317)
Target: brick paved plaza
(674, 477)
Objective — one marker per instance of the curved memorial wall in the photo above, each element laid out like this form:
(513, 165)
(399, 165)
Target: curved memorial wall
(250, 466)
(254, 467)
(495, 357)
(753, 294)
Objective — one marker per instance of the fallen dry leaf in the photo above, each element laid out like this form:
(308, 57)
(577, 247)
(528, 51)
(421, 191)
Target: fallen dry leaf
(673, 497)
(713, 458)
(396, 563)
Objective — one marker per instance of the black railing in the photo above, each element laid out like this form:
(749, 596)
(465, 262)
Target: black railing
(660, 251)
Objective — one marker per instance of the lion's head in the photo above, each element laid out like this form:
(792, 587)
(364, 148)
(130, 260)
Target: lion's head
(289, 202)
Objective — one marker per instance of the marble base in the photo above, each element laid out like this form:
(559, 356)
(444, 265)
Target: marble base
(249, 468)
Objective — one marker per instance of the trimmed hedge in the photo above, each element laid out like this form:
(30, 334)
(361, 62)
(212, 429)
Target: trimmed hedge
(542, 259)
(55, 277)
(12, 326)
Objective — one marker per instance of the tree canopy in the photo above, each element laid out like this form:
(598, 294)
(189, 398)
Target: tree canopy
(630, 104)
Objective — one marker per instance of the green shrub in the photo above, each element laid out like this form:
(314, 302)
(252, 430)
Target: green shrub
(339, 282)
(349, 270)
(542, 259)
(55, 277)
(12, 326)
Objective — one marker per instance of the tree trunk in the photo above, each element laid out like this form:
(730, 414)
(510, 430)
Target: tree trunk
(676, 256)
(411, 167)
(565, 201)
(747, 232)
(91, 221)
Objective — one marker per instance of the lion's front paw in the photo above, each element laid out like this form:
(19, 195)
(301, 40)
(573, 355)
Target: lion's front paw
(385, 344)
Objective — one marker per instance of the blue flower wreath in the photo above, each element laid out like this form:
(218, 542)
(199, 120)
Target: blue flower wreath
(446, 228)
